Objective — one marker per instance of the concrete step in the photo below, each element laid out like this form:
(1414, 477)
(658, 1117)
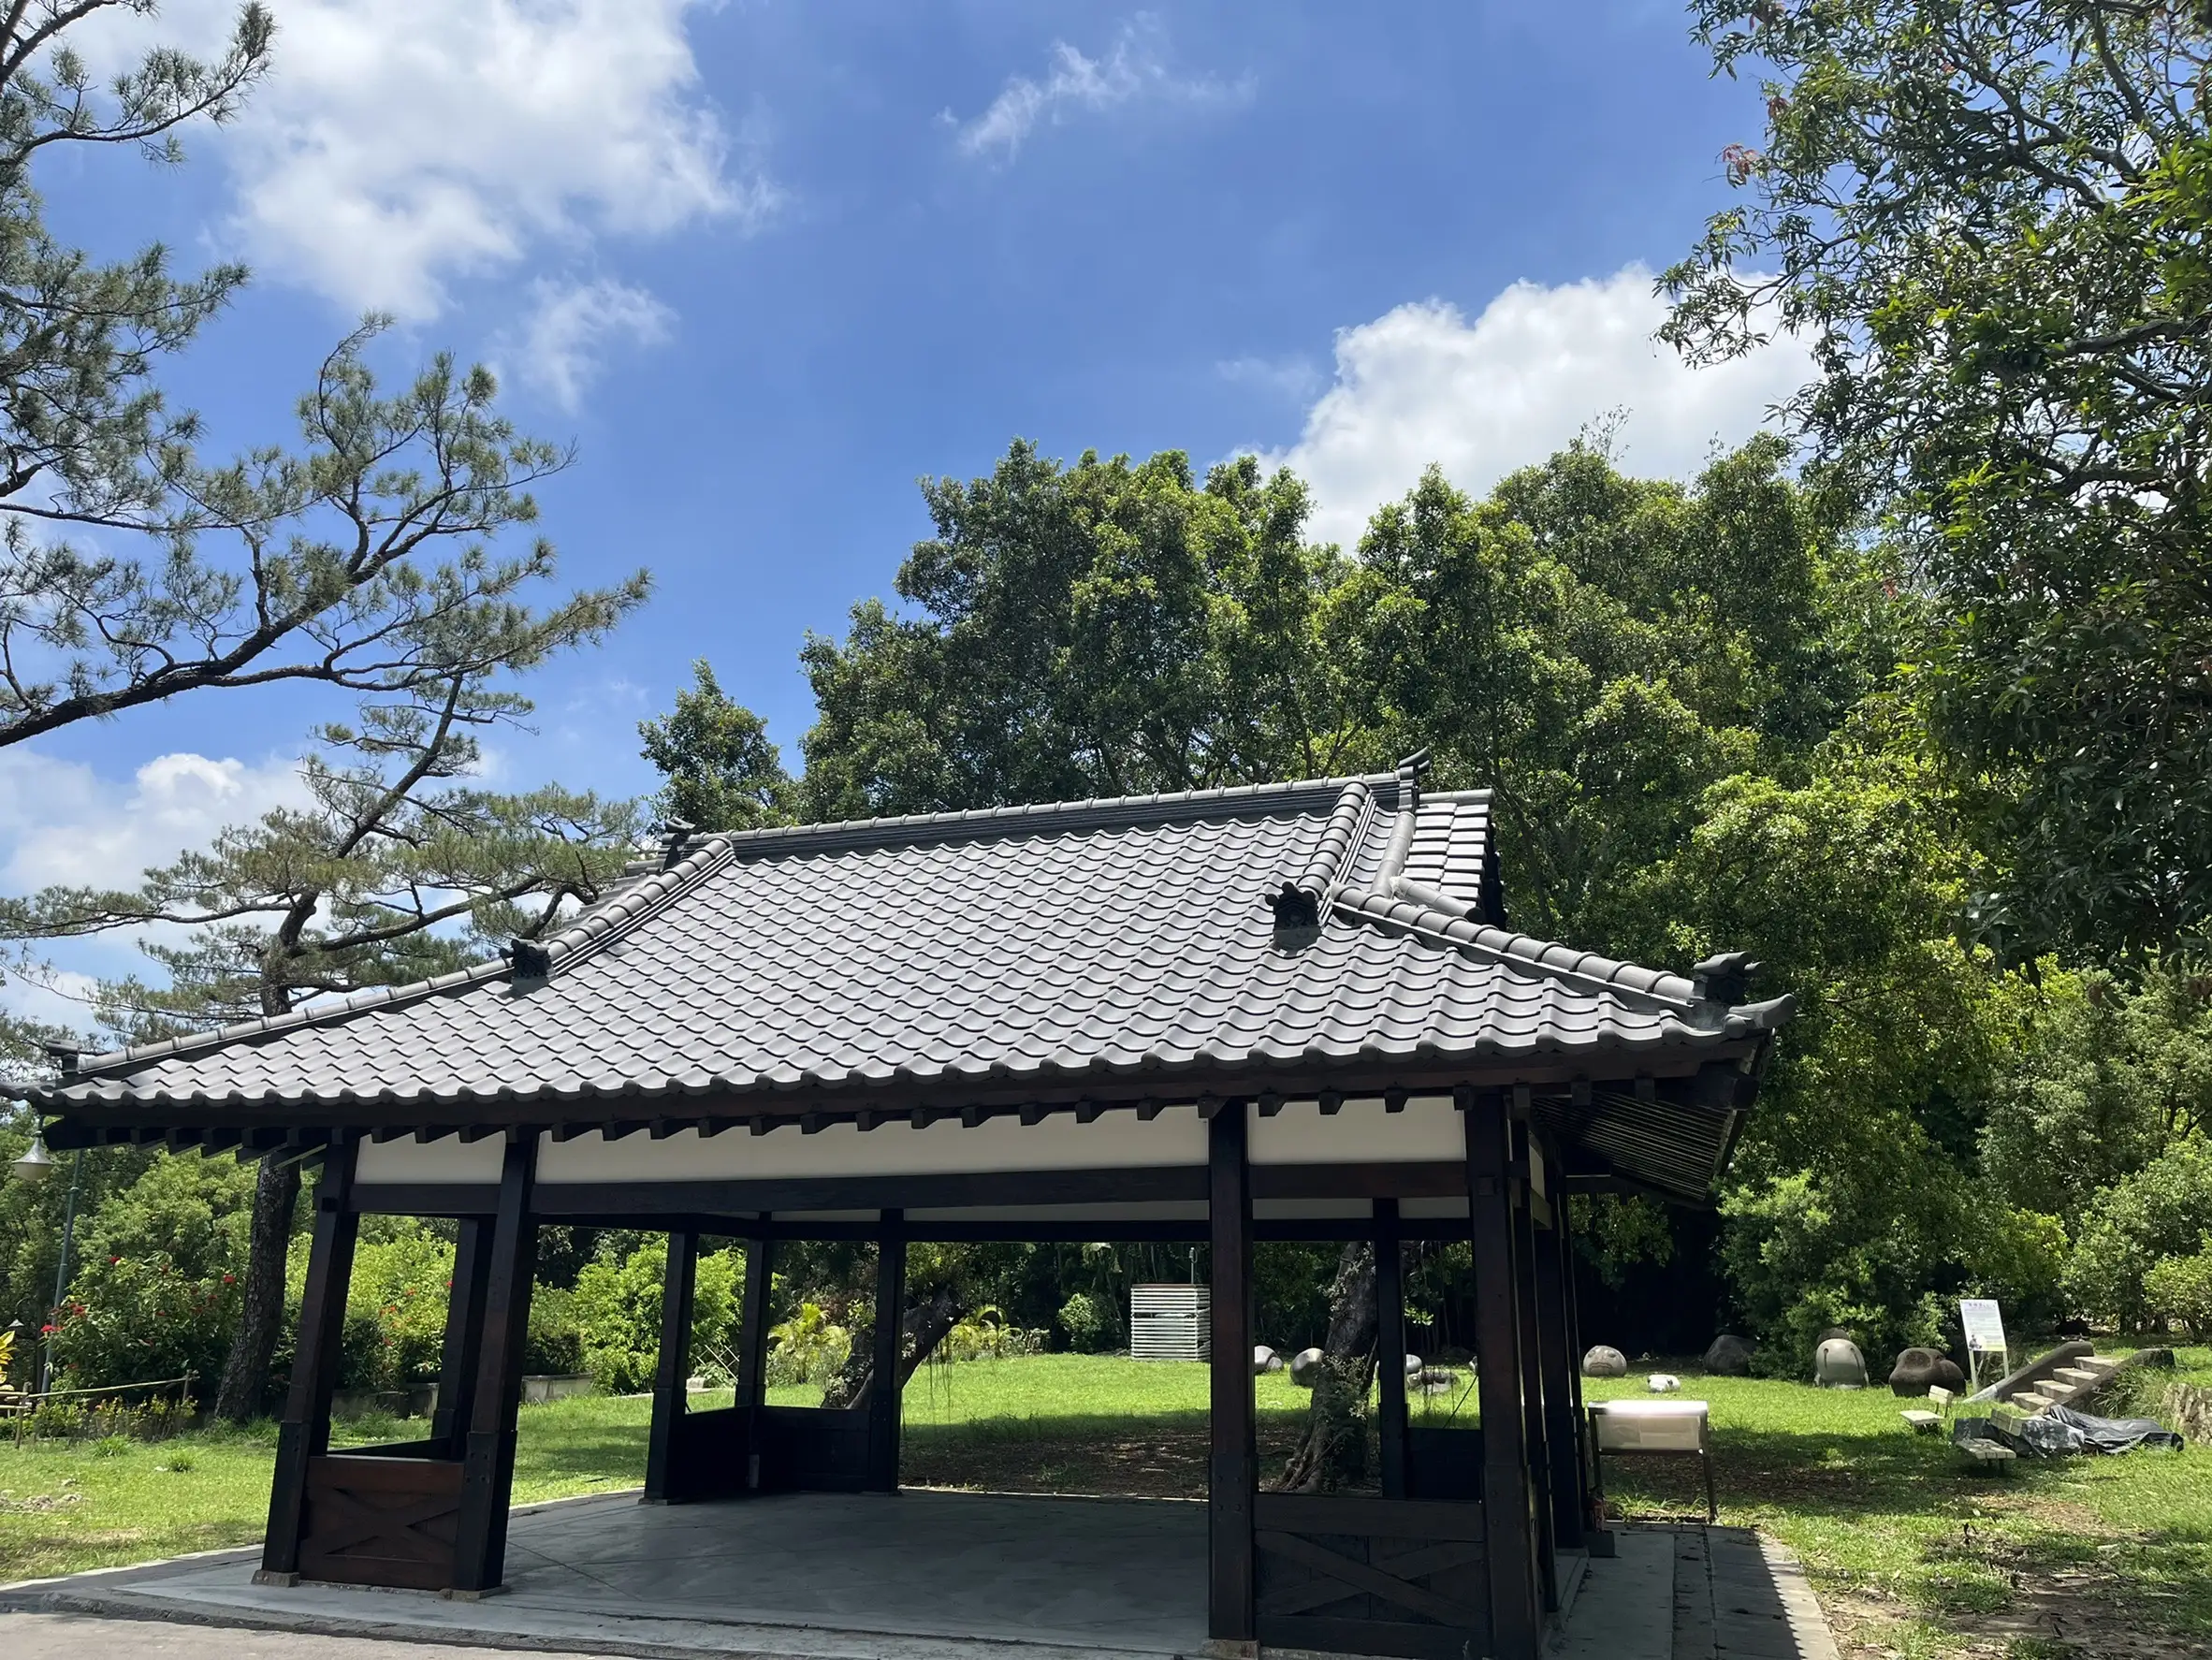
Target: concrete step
(2080, 1374)
(2030, 1403)
(2051, 1388)
(2099, 1363)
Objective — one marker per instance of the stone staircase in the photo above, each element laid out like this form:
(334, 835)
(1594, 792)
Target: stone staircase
(2069, 1385)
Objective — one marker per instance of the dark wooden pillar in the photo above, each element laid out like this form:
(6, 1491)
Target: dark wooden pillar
(883, 1382)
(464, 1335)
(1233, 1470)
(488, 1461)
(752, 1323)
(1562, 1220)
(1561, 1437)
(1508, 1503)
(1536, 1427)
(304, 1432)
(672, 1373)
(1390, 1347)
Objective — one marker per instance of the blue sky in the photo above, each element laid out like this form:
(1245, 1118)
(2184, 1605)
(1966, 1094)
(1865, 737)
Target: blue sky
(767, 263)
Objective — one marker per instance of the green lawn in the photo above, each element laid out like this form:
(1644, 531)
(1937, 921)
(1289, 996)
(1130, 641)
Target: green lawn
(1915, 1555)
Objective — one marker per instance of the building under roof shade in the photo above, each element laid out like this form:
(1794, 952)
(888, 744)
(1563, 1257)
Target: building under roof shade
(1294, 1009)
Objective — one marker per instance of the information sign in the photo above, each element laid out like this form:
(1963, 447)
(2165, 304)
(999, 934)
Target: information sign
(1985, 1337)
(1985, 1325)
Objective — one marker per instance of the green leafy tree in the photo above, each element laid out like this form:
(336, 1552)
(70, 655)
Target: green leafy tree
(2099, 1079)
(401, 868)
(1988, 221)
(618, 1310)
(1100, 629)
(723, 771)
(2159, 1214)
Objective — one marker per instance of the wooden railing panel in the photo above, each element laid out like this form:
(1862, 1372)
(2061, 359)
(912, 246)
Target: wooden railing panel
(380, 1521)
(1366, 1575)
(712, 1455)
(811, 1449)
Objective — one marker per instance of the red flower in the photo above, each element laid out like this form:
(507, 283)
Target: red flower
(231, 1279)
(46, 1330)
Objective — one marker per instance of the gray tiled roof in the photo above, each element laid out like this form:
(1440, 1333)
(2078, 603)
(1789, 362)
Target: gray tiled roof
(1066, 947)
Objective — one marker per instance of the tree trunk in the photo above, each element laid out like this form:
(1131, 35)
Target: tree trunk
(921, 1327)
(243, 1393)
(1333, 1450)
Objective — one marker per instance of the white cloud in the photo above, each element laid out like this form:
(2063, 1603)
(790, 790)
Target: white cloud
(1422, 383)
(1137, 68)
(61, 822)
(573, 326)
(397, 144)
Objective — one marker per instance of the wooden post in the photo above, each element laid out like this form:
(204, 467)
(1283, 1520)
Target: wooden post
(464, 1336)
(1562, 1435)
(883, 1381)
(487, 1462)
(752, 1323)
(1535, 1426)
(1570, 1300)
(304, 1431)
(1390, 1347)
(1508, 1512)
(1233, 1471)
(672, 1376)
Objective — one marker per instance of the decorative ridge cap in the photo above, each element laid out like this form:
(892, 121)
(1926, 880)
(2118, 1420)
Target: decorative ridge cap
(585, 934)
(1338, 839)
(1095, 814)
(306, 1014)
(1421, 909)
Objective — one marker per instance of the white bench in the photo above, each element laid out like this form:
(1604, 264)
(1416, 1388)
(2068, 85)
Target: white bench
(1642, 1429)
(1925, 1422)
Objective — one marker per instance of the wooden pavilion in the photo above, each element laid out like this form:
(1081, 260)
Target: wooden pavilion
(1283, 1011)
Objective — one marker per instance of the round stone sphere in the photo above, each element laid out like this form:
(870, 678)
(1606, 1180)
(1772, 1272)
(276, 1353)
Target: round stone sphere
(1729, 1356)
(1603, 1362)
(1305, 1366)
(1265, 1360)
(1413, 1366)
(1838, 1365)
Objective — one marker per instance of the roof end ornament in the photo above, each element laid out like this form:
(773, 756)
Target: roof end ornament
(1725, 978)
(532, 961)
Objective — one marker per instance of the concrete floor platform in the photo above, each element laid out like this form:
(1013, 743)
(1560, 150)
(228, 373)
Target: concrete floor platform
(928, 1575)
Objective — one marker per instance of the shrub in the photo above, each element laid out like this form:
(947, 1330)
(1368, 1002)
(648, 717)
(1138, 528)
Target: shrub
(2018, 1257)
(133, 1319)
(2164, 1210)
(808, 1347)
(394, 1320)
(555, 1345)
(2180, 1289)
(618, 1313)
(984, 1335)
(1083, 1323)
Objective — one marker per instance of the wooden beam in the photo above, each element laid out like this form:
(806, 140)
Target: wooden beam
(465, 1334)
(1508, 1501)
(1390, 1347)
(1233, 1468)
(487, 1466)
(883, 1382)
(672, 1375)
(304, 1431)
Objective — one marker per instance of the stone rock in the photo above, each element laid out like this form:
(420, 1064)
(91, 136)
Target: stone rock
(1305, 1366)
(1918, 1370)
(1729, 1356)
(1435, 1381)
(1265, 1360)
(1838, 1365)
(1413, 1366)
(1603, 1361)
(1662, 1383)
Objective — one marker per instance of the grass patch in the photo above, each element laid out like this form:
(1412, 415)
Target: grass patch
(1915, 1555)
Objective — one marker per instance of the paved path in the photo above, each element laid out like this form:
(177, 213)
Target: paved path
(1738, 1597)
(84, 1636)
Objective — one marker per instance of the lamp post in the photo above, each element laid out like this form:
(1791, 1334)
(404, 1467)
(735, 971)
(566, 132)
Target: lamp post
(36, 1166)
